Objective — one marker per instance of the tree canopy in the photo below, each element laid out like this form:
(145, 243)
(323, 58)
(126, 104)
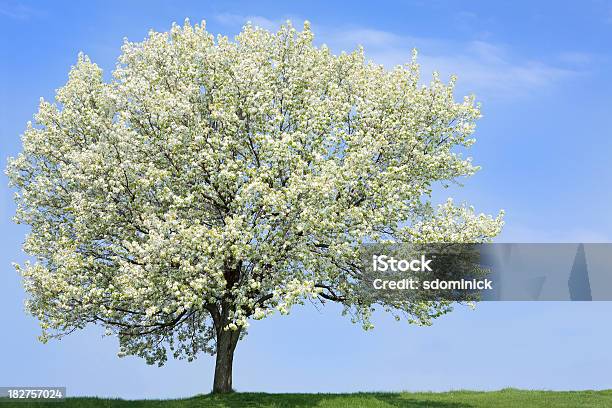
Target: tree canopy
(212, 181)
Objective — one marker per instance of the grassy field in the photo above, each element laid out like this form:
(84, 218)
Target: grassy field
(456, 399)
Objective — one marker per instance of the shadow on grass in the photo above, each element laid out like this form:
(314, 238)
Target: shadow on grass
(257, 400)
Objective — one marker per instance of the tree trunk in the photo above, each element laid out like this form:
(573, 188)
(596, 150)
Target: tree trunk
(226, 345)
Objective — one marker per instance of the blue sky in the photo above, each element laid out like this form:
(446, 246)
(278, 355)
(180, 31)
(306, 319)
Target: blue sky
(542, 72)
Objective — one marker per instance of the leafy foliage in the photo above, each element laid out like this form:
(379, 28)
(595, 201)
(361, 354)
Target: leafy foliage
(214, 181)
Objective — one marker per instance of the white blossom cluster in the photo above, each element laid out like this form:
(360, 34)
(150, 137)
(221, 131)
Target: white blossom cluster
(214, 181)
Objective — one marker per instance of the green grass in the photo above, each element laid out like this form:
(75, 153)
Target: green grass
(455, 399)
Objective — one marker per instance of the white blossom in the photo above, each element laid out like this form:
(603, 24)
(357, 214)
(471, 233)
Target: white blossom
(212, 181)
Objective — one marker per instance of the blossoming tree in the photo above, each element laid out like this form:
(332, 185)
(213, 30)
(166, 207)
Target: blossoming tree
(212, 182)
